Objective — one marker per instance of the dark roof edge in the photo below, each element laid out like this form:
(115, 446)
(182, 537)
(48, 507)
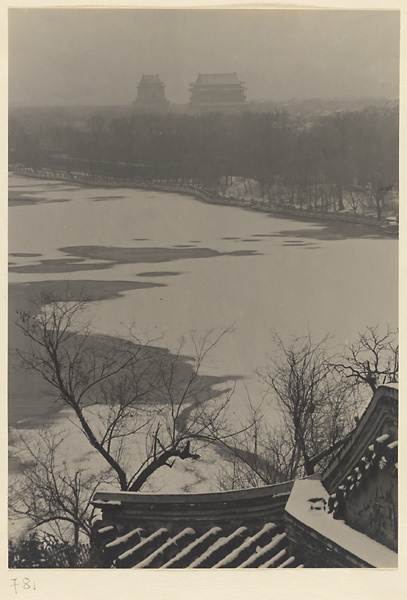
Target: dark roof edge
(184, 498)
(368, 427)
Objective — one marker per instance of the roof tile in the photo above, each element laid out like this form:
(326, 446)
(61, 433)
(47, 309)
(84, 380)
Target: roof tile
(142, 550)
(123, 543)
(167, 550)
(219, 549)
(195, 549)
(246, 549)
(275, 561)
(263, 555)
(287, 563)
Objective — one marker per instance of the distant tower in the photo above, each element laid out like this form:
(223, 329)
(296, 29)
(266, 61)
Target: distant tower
(217, 92)
(151, 94)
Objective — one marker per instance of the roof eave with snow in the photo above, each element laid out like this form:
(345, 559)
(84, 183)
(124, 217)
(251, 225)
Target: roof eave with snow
(306, 510)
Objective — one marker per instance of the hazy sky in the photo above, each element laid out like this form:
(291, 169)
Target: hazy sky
(82, 56)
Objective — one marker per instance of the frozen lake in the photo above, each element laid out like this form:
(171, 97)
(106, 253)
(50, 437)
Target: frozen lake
(218, 267)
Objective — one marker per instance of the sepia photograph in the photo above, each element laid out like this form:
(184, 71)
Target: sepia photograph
(203, 249)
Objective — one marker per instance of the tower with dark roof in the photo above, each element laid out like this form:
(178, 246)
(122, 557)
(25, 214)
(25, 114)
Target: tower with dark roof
(217, 92)
(151, 94)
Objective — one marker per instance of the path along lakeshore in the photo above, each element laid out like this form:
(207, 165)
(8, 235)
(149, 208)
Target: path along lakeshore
(209, 196)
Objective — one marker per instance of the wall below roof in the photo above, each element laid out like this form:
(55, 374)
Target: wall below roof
(372, 508)
(319, 540)
(317, 551)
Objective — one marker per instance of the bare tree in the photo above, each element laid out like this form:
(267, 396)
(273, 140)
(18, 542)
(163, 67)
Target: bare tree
(189, 410)
(373, 359)
(316, 394)
(248, 463)
(50, 491)
(123, 391)
(316, 410)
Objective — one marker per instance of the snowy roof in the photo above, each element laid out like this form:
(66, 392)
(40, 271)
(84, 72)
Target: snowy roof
(307, 505)
(217, 79)
(241, 528)
(380, 417)
(365, 471)
(382, 454)
(282, 525)
(215, 547)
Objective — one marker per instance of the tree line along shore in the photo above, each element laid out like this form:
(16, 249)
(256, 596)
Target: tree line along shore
(212, 196)
(343, 164)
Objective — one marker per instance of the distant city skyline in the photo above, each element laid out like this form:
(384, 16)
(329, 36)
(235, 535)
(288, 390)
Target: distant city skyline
(97, 57)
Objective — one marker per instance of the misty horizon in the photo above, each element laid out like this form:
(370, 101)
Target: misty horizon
(284, 101)
(77, 57)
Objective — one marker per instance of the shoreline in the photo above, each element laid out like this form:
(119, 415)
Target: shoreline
(29, 398)
(31, 405)
(204, 196)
